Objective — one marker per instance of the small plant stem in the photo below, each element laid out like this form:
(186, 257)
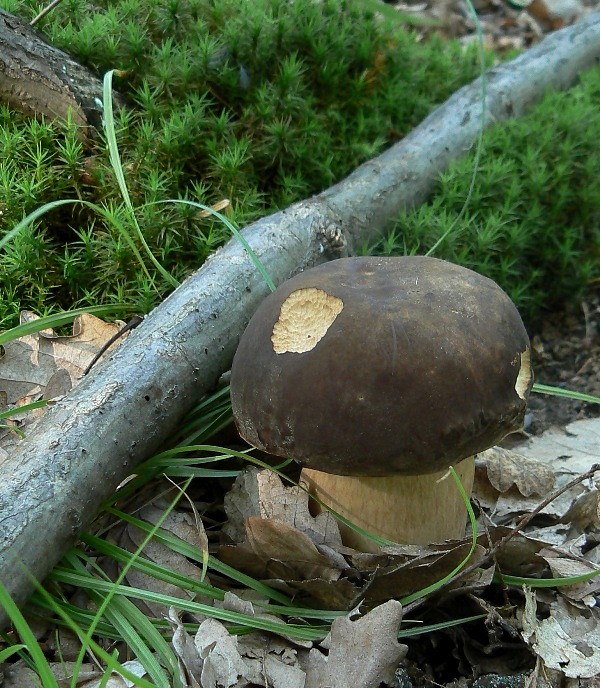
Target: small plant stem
(132, 324)
(44, 12)
(491, 553)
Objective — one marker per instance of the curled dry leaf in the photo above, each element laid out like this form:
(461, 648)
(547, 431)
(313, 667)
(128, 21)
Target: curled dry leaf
(568, 452)
(214, 658)
(506, 468)
(222, 663)
(45, 365)
(30, 362)
(584, 511)
(569, 640)
(361, 653)
(261, 493)
(188, 658)
(282, 551)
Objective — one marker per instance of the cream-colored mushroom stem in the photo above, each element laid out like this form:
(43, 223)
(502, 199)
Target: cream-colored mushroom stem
(409, 509)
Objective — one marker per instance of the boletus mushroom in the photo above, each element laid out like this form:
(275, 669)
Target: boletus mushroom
(376, 375)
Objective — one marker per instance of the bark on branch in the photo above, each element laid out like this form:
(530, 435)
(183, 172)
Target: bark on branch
(89, 441)
(36, 78)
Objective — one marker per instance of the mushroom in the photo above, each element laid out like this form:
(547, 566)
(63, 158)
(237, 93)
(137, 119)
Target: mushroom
(376, 375)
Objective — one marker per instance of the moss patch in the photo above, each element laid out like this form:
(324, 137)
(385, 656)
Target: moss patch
(262, 103)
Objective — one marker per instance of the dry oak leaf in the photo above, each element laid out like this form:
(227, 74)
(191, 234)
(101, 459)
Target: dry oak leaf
(44, 366)
(177, 523)
(29, 363)
(261, 493)
(506, 468)
(362, 653)
(568, 640)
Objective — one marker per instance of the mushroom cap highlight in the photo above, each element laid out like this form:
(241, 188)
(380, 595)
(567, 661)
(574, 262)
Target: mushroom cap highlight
(374, 366)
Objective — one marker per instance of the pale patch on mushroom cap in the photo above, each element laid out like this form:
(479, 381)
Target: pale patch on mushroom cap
(525, 376)
(304, 318)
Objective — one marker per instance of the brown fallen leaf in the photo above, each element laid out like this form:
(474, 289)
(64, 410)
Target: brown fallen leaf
(506, 468)
(44, 365)
(285, 550)
(261, 493)
(334, 595)
(30, 362)
(400, 579)
(183, 526)
(584, 511)
(362, 653)
(554, 14)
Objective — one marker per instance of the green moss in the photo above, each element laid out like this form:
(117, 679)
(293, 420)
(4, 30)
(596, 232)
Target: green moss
(533, 220)
(262, 102)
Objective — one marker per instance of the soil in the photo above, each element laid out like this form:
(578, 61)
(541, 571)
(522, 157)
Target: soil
(567, 354)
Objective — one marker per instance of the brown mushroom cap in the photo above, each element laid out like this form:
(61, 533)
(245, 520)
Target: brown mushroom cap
(381, 366)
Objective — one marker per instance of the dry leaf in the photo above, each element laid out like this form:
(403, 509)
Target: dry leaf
(19, 675)
(188, 657)
(223, 204)
(220, 660)
(183, 526)
(273, 661)
(405, 577)
(569, 640)
(555, 14)
(287, 559)
(584, 511)
(506, 468)
(362, 653)
(286, 551)
(223, 666)
(569, 452)
(45, 365)
(334, 595)
(261, 493)
(31, 361)
(563, 567)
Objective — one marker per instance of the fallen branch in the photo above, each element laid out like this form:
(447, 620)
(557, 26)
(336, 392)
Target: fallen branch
(36, 78)
(120, 413)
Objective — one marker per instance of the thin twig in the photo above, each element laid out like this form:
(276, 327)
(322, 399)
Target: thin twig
(133, 323)
(491, 553)
(44, 12)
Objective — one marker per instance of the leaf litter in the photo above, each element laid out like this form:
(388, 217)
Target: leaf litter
(267, 531)
(517, 633)
(45, 366)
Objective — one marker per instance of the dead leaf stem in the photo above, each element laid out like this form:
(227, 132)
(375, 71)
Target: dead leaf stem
(130, 325)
